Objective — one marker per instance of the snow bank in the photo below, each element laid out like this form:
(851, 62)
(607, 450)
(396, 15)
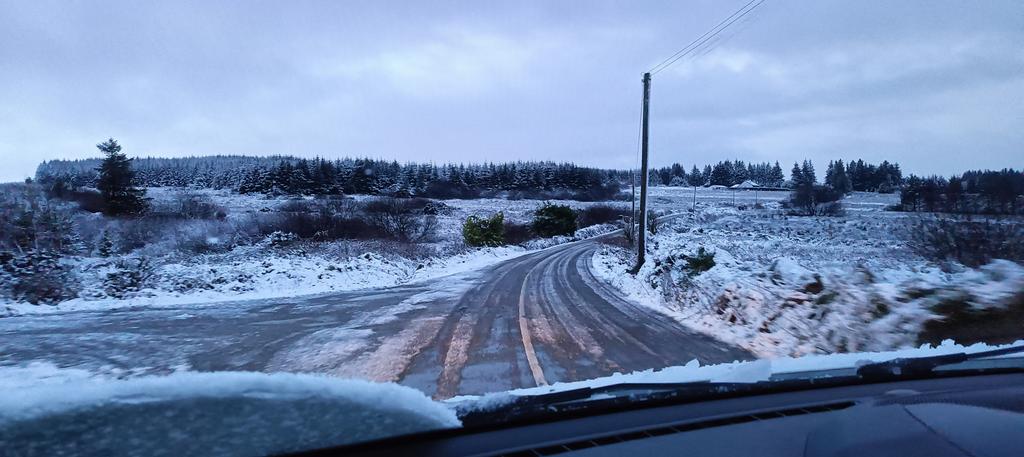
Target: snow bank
(227, 413)
(263, 271)
(784, 286)
(260, 272)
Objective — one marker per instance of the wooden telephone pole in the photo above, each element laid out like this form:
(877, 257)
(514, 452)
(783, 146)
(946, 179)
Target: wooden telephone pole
(641, 238)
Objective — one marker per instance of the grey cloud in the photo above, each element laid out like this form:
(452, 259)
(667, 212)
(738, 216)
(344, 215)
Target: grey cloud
(922, 82)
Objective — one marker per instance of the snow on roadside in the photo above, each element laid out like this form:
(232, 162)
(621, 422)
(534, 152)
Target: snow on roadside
(262, 271)
(791, 286)
(259, 272)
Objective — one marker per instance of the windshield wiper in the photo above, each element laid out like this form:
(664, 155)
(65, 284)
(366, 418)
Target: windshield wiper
(587, 400)
(562, 403)
(919, 367)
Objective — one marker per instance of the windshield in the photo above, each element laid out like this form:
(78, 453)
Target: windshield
(281, 217)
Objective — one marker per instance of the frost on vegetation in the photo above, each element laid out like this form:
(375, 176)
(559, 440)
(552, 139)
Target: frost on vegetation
(226, 413)
(140, 263)
(793, 286)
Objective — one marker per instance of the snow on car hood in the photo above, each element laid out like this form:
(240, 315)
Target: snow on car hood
(53, 411)
(228, 413)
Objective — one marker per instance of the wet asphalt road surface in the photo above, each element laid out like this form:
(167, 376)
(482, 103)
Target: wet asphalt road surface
(532, 320)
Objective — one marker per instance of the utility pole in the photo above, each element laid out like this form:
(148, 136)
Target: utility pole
(632, 217)
(641, 238)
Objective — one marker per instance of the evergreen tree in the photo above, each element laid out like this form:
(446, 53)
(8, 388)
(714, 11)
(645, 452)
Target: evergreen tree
(120, 197)
(807, 171)
(796, 176)
(739, 172)
(694, 178)
(105, 246)
(776, 177)
(721, 174)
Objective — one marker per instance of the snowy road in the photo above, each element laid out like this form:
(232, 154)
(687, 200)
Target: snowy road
(539, 318)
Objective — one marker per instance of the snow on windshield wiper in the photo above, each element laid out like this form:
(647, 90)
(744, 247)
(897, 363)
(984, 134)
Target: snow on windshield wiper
(914, 367)
(628, 395)
(592, 397)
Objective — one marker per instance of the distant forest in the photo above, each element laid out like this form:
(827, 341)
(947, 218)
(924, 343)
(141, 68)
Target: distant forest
(854, 176)
(282, 175)
(974, 192)
(285, 175)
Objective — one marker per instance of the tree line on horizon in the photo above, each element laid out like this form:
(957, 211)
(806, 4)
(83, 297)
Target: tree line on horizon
(282, 175)
(286, 175)
(857, 175)
(980, 191)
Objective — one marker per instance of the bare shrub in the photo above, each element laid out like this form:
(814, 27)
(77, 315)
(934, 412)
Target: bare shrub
(334, 219)
(968, 241)
(600, 214)
(195, 205)
(831, 209)
(514, 233)
(137, 233)
(966, 324)
(401, 219)
(652, 222)
(208, 237)
(298, 205)
(814, 201)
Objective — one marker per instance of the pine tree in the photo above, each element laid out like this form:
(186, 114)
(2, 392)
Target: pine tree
(694, 178)
(807, 170)
(776, 177)
(105, 246)
(796, 176)
(121, 198)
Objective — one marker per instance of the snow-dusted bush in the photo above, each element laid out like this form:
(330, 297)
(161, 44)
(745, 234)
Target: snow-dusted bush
(279, 238)
(37, 277)
(437, 208)
(477, 231)
(700, 262)
(127, 276)
(553, 220)
(972, 242)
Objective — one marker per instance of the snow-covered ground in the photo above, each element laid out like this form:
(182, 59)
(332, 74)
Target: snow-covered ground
(785, 285)
(262, 270)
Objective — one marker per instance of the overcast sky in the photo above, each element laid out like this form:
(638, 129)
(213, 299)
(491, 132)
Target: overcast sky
(935, 85)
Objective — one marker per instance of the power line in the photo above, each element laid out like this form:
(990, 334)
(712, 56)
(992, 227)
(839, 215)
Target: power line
(710, 34)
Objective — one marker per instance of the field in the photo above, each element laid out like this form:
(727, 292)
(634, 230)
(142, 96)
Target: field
(202, 262)
(786, 285)
(778, 284)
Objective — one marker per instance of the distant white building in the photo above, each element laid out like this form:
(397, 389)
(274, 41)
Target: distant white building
(748, 184)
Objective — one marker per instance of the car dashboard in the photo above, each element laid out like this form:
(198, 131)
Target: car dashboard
(955, 416)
